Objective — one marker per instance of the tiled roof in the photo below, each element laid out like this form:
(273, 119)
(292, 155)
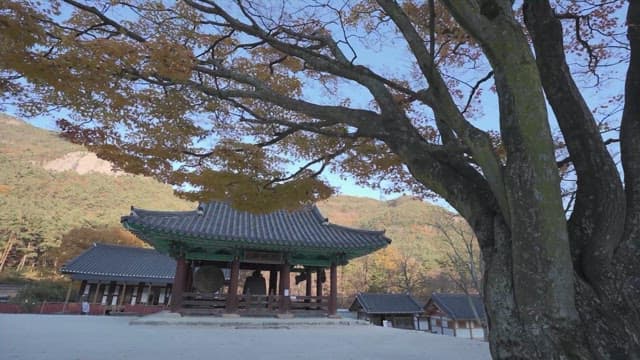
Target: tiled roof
(456, 306)
(118, 263)
(305, 228)
(386, 304)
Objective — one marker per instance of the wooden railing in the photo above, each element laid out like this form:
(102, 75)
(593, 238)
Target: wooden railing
(309, 303)
(259, 303)
(212, 303)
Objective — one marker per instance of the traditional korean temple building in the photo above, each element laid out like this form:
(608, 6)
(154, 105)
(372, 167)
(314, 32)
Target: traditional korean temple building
(215, 236)
(452, 314)
(117, 275)
(393, 310)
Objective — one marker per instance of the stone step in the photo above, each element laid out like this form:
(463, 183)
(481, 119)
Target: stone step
(238, 322)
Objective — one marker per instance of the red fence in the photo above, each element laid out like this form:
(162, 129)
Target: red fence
(10, 308)
(74, 308)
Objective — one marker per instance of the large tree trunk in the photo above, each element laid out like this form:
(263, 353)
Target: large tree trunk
(512, 335)
(606, 327)
(552, 289)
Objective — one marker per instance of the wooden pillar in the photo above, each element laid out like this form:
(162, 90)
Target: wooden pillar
(333, 290)
(455, 328)
(189, 284)
(95, 296)
(139, 294)
(134, 295)
(273, 282)
(308, 284)
(83, 285)
(319, 284)
(170, 296)
(471, 325)
(280, 285)
(150, 297)
(285, 287)
(232, 295)
(178, 284)
(111, 288)
(124, 293)
(66, 299)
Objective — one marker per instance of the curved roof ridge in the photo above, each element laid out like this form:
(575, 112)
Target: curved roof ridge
(363, 231)
(317, 213)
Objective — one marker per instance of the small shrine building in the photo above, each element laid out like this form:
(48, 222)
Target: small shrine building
(216, 236)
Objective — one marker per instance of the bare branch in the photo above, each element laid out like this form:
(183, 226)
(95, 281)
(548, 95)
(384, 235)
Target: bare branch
(119, 27)
(475, 88)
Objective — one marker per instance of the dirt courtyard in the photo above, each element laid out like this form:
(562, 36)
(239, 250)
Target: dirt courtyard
(66, 337)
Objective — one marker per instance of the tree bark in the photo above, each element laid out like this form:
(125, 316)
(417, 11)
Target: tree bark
(596, 223)
(598, 219)
(529, 277)
(538, 307)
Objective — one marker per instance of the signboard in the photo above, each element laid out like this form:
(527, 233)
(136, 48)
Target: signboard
(262, 257)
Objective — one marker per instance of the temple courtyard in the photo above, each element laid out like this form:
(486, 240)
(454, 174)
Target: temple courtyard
(36, 337)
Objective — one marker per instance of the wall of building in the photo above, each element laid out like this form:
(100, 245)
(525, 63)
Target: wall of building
(139, 293)
(442, 325)
(402, 322)
(395, 321)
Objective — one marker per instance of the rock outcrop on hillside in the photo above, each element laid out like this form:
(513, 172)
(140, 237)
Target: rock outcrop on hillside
(82, 162)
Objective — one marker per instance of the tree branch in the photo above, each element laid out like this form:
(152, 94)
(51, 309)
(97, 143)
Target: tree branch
(119, 27)
(474, 89)
(599, 198)
(447, 114)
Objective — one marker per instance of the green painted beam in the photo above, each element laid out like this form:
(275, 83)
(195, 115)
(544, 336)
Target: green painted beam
(199, 248)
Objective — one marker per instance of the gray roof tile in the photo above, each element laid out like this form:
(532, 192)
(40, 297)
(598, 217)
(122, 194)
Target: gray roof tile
(218, 220)
(456, 306)
(121, 263)
(372, 303)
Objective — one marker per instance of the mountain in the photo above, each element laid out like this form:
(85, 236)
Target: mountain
(52, 190)
(49, 186)
(406, 220)
(415, 262)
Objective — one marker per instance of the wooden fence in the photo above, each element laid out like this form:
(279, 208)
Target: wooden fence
(197, 303)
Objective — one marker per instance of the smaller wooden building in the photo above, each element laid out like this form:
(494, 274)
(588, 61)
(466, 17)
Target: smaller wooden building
(121, 275)
(397, 310)
(453, 315)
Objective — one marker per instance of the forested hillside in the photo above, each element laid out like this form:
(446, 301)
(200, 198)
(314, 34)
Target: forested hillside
(53, 192)
(38, 206)
(416, 260)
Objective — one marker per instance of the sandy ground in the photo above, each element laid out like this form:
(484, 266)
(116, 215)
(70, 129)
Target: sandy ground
(63, 337)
